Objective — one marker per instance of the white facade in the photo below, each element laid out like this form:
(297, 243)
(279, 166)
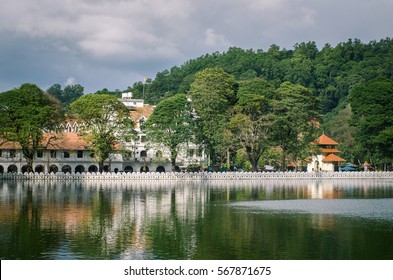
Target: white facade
(71, 156)
(316, 164)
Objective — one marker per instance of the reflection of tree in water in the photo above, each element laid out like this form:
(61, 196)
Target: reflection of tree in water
(183, 220)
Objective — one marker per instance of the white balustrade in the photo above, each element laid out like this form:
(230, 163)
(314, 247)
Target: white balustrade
(195, 175)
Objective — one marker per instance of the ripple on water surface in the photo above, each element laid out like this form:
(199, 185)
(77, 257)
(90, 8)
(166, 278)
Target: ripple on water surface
(362, 208)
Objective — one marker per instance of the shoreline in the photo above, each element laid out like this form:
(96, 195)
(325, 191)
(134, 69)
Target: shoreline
(199, 176)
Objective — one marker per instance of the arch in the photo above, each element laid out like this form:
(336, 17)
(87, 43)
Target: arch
(106, 168)
(177, 169)
(1, 169)
(93, 168)
(39, 169)
(128, 169)
(79, 169)
(316, 165)
(53, 168)
(160, 169)
(143, 153)
(66, 169)
(116, 170)
(144, 169)
(159, 154)
(12, 169)
(26, 169)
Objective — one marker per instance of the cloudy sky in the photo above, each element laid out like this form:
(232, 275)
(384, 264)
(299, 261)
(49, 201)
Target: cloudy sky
(114, 43)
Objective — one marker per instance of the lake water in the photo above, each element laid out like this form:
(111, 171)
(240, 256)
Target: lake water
(268, 219)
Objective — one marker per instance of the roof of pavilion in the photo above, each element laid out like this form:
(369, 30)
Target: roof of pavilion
(333, 158)
(325, 140)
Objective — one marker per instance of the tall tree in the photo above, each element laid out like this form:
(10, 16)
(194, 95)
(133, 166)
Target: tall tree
(251, 135)
(171, 124)
(251, 124)
(25, 114)
(297, 117)
(67, 95)
(212, 93)
(372, 106)
(106, 123)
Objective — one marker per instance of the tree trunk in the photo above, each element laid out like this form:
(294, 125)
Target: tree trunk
(283, 159)
(173, 158)
(228, 160)
(100, 166)
(252, 158)
(29, 156)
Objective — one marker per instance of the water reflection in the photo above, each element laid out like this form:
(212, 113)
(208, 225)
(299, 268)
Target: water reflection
(196, 220)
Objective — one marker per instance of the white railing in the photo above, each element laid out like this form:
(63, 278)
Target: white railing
(195, 176)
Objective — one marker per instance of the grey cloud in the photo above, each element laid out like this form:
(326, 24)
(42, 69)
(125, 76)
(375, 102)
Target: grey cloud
(113, 43)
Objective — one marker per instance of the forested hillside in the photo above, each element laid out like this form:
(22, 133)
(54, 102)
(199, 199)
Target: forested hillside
(329, 72)
(250, 101)
(352, 83)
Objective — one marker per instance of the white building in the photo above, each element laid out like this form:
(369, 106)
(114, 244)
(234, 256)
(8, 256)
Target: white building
(324, 156)
(68, 152)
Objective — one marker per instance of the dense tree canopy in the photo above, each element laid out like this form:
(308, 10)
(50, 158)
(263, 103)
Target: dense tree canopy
(212, 94)
(237, 94)
(171, 124)
(252, 120)
(67, 95)
(25, 114)
(106, 122)
(329, 72)
(372, 105)
(295, 110)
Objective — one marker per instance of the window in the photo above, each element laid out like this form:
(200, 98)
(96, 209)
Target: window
(1, 153)
(79, 154)
(12, 153)
(66, 154)
(143, 139)
(190, 152)
(40, 154)
(53, 154)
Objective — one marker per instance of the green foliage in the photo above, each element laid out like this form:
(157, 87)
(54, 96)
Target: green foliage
(117, 93)
(213, 92)
(25, 113)
(106, 122)
(338, 126)
(252, 135)
(171, 124)
(372, 106)
(329, 72)
(296, 117)
(67, 95)
(252, 121)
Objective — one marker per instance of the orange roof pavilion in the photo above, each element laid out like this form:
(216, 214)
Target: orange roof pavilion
(333, 158)
(325, 140)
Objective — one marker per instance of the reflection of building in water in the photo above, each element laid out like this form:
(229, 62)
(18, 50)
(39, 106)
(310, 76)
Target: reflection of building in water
(321, 190)
(115, 210)
(122, 216)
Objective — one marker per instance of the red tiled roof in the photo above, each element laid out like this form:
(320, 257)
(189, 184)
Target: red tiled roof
(333, 158)
(59, 141)
(139, 112)
(324, 140)
(65, 141)
(329, 151)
